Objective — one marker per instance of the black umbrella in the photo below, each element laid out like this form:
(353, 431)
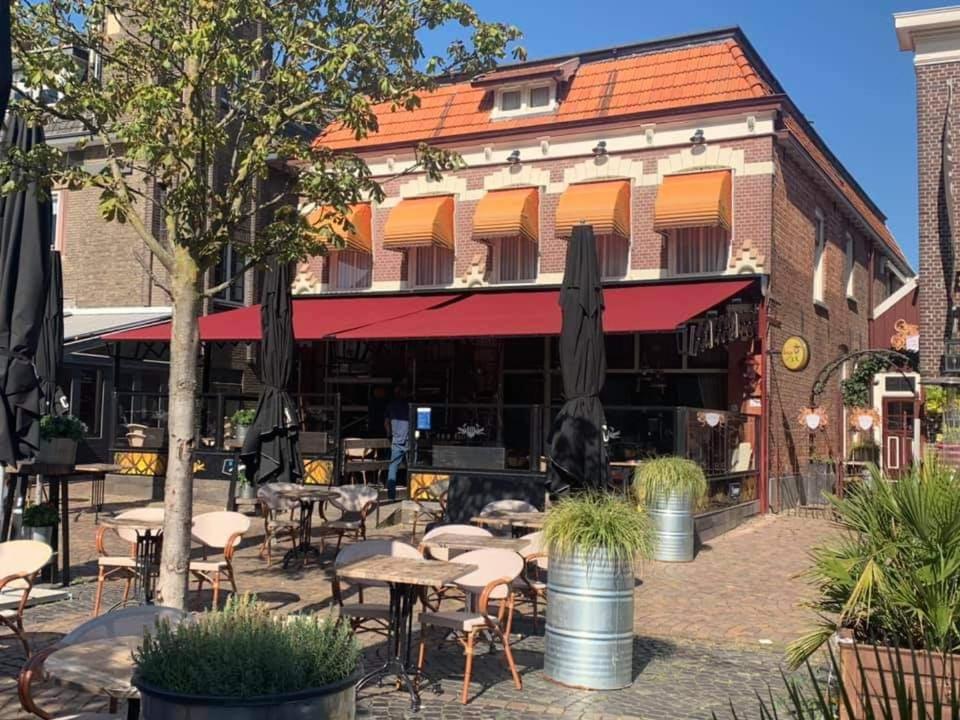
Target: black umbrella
(25, 233)
(271, 451)
(50, 349)
(578, 456)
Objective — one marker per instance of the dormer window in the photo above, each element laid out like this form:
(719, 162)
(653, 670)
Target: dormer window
(533, 98)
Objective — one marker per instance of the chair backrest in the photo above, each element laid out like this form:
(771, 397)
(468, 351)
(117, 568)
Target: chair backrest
(368, 548)
(269, 495)
(24, 557)
(122, 623)
(214, 529)
(153, 514)
(534, 543)
(456, 530)
(352, 498)
(506, 506)
(491, 565)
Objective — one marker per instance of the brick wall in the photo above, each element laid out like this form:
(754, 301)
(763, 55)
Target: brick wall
(931, 104)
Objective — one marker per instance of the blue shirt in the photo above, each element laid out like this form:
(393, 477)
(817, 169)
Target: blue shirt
(398, 413)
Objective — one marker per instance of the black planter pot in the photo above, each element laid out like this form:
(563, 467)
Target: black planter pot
(337, 701)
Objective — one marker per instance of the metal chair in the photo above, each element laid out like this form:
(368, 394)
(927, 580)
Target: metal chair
(355, 503)
(506, 506)
(20, 561)
(273, 507)
(435, 493)
(366, 616)
(490, 581)
(437, 595)
(531, 585)
(121, 567)
(221, 530)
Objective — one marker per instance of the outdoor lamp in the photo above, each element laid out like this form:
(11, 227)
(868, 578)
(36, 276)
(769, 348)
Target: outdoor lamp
(813, 421)
(698, 138)
(813, 417)
(600, 148)
(514, 157)
(712, 418)
(865, 422)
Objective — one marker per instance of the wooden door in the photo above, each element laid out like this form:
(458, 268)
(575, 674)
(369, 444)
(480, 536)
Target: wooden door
(898, 422)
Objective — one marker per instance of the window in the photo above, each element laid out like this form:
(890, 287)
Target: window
(87, 399)
(698, 250)
(55, 240)
(819, 258)
(540, 96)
(613, 256)
(529, 98)
(231, 262)
(851, 261)
(431, 265)
(511, 100)
(350, 270)
(514, 259)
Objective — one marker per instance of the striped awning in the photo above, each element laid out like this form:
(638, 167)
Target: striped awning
(418, 222)
(508, 213)
(604, 205)
(700, 199)
(357, 239)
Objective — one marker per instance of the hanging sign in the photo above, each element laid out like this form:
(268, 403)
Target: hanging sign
(795, 353)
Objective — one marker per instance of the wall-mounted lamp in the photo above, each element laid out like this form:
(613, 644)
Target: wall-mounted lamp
(600, 149)
(698, 138)
(514, 157)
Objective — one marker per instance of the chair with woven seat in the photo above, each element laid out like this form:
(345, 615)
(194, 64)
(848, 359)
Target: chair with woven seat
(278, 518)
(123, 623)
(495, 570)
(437, 595)
(355, 503)
(506, 506)
(121, 567)
(222, 531)
(430, 503)
(531, 585)
(362, 615)
(20, 561)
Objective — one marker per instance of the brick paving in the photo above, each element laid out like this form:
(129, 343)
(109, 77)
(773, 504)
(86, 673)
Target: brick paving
(708, 632)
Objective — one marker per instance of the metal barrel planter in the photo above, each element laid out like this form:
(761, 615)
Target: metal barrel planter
(589, 634)
(672, 518)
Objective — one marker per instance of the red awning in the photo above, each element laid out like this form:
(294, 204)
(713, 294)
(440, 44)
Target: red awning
(486, 313)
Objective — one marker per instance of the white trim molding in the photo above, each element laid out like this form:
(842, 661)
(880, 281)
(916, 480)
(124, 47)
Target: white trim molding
(701, 158)
(600, 168)
(932, 35)
(517, 176)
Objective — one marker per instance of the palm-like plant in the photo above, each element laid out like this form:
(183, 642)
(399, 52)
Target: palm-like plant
(893, 577)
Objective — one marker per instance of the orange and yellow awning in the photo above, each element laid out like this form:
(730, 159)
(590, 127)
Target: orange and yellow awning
(418, 222)
(604, 205)
(359, 238)
(508, 213)
(700, 199)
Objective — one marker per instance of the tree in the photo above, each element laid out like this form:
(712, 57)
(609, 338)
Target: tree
(200, 100)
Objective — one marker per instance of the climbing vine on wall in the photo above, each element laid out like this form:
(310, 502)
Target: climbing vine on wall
(856, 388)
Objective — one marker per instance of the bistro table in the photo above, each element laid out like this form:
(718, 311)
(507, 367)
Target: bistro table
(307, 496)
(454, 541)
(514, 520)
(405, 576)
(98, 667)
(149, 532)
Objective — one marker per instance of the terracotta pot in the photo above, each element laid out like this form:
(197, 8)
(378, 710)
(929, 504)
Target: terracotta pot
(136, 439)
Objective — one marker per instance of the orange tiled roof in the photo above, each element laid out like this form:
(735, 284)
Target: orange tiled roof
(665, 79)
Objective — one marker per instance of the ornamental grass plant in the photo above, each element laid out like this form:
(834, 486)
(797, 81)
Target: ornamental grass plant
(598, 522)
(661, 477)
(244, 652)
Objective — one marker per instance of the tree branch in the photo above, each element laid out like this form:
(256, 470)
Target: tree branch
(217, 289)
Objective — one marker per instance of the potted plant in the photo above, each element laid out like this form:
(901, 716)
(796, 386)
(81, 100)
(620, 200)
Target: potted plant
(39, 522)
(248, 491)
(865, 451)
(670, 488)
(241, 421)
(593, 542)
(242, 663)
(888, 584)
(59, 436)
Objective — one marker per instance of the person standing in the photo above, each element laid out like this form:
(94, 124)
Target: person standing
(397, 424)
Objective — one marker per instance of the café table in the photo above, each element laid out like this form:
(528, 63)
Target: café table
(514, 520)
(454, 541)
(307, 496)
(149, 533)
(405, 577)
(98, 667)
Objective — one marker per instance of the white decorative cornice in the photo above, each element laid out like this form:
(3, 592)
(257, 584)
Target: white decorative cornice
(423, 185)
(701, 158)
(605, 166)
(517, 175)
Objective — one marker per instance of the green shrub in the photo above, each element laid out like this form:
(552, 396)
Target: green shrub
(663, 476)
(598, 521)
(42, 515)
(62, 426)
(893, 576)
(244, 652)
(243, 417)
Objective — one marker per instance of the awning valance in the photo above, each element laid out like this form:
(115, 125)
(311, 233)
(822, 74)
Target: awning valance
(418, 222)
(604, 205)
(701, 199)
(508, 213)
(359, 238)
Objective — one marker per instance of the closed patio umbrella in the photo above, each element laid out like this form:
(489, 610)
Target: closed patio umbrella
(578, 456)
(271, 451)
(50, 348)
(25, 232)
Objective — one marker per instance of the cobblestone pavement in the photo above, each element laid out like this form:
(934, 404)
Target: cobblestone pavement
(708, 632)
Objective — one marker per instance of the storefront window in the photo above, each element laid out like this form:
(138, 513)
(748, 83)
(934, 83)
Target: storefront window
(698, 250)
(86, 401)
(350, 270)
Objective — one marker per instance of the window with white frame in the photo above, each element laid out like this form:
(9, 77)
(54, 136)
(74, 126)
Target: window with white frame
(514, 259)
(819, 257)
(350, 270)
(229, 267)
(56, 240)
(613, 256)
(521, 99)
(697, 250)
(430, 265)
(851, 263)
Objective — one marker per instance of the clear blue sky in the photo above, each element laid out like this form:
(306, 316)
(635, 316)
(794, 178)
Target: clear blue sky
(837, 59)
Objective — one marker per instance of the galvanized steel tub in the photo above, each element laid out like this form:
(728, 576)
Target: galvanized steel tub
(589, 636)
(672, 517)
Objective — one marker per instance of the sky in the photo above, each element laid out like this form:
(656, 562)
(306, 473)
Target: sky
(837, 59)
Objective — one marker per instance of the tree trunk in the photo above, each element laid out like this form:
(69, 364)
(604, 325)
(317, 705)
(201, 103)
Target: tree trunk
(178, 493)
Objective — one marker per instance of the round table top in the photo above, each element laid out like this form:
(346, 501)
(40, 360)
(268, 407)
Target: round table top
(134, 523)
(305, 492)
(99, 667)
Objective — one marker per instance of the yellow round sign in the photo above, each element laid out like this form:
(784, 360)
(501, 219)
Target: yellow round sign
(795, 353)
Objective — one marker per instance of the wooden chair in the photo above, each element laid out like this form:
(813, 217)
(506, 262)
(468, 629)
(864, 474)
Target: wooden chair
(278, 518)
(506, 506)
(222, 530)
(496, 569)
(531, 585)
(121, 567)
(435, 596)
(355, 503)
(436, 495)
(20, 561)
(126, 622)
(366, 616)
